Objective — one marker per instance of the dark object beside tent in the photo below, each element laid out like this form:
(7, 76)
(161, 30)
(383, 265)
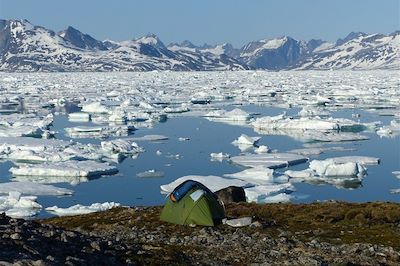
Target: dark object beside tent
(192, 203)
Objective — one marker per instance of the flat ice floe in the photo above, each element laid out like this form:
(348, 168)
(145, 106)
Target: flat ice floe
(73, 180)
(214, 183)
(69, 168)
(123, 146)
(150, 138)
(30, 188)
(24, 125)
(389, 131)
(257, 175)
(98, 131)
(266, 193)
(234, 115)
(269, 160)
(17, 206)
(82, 209)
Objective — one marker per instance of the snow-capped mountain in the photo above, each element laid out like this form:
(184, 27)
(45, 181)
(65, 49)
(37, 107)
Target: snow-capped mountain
(356, 51)
(272, 54)
(25, 47)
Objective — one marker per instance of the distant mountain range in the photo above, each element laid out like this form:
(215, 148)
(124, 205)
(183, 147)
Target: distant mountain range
(26, 47)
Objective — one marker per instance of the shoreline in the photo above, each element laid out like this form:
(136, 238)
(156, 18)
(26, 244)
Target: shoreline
(328, 233)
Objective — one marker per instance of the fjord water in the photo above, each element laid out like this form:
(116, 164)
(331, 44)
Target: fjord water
(206, 137)
(176, 157)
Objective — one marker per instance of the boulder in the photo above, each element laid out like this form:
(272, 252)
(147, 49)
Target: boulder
(231, 194)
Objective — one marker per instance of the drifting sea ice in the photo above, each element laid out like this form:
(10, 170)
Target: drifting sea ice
(234, 115)
(220, 156)
(257, 175)
(150, 138)
(17, 206)
(98, 131)
(69, 168)
(82, 209)
(269, 160)
(30, 188)
(261, 194)
(214, 183)
(123, 146)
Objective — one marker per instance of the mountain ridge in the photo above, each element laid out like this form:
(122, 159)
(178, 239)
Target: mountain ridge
(27, 47)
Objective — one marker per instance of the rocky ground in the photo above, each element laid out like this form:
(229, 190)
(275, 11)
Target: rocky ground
(331, 233)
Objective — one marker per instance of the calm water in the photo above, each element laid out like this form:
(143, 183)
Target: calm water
(207, 137)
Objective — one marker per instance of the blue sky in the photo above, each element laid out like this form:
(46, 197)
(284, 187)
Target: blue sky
(210, 21)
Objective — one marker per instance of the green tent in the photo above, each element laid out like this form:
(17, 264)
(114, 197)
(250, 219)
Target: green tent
(197, 206)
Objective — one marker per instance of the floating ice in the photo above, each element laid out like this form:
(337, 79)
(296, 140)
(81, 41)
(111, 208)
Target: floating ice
(270, 160)
(21, 125)
(69, 168)
(82, 209)
(214, 183)
(150, 138)
(331, 167)
(234, 115)
(246, 140)
(95, 108)
(17, 206)
(391, 130)
(30, 188)
(123, 146)
(262, 193)
(98, 131)
(219, 156)
(150, 173)
(79, 117)
(73, 180)
(257, 175)
(262, 149)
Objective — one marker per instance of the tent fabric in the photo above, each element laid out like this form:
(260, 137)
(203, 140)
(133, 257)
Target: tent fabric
(181, 190)
(196, 207)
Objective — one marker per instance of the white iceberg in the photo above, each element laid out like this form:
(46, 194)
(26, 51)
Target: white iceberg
(30, 188)
(79, 117)
(262, 149)
(220, 156)
(124, 146)
(82, 209)
(17, 206)
(150, 173)
(95, 108)
(69, 168)
(246, 140)
(150, 138)
(234, 115)
(214, 183)
(259, 175)
(270, 160)
(261, 193)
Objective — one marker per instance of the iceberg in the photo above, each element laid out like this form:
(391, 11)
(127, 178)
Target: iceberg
(259, 175)
(234, 115)
(79, 117)
(95, 108)
(219, 156)
(261, 193)
(269, 160)
(123, 146)
(246, 140)
(98, 131)
(150, 138)
(82, 209)
(30, 188)
(17, 206)
(69, 168)
(214, 183)
(150, 173)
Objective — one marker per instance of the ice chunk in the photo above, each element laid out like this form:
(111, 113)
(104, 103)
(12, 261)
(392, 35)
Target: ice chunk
(270, 160)
(82, 209)
(234, 115)
(79, 117)
(261, 193)
(73, 180)
(304, 123)
(98, 131)
(214, 183)
(17, 206)
(396, 173)
(219, 156)
(332, 167)
(262, 149)
(150, 173)
(391, 130)
(30, 188)
(95, 108)
(69, 168)
(257, 175)
(150, 138)
(124, 146)
(246, 140)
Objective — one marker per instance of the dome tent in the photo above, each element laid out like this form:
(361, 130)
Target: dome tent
(192, 203)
